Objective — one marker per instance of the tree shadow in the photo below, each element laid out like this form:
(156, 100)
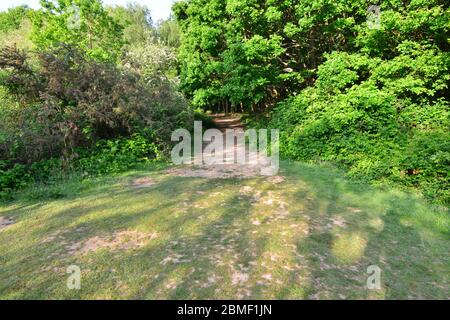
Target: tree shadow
(212, 248)
(391, 230)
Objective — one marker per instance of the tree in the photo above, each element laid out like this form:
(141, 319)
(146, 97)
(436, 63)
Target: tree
(256, 52)
(83, 24)
(12, 19)
(168, 32)
(137, 22)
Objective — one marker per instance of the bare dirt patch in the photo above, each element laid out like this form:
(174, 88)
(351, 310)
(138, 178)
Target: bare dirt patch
(5, 222)
(276, 179)
(61, 235)
(119, 240)
(231, 171)
(223, 164)
(143, 182)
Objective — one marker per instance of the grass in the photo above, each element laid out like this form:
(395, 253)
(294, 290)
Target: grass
(309, 235)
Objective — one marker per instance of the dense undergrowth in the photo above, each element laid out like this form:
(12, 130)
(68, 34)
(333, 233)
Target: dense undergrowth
(84, 98)
(367, 93)
(365, 89)
(380, 119)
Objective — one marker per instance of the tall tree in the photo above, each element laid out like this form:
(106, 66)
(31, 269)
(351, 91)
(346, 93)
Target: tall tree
(136, 20)
(84, 24)
(168, 32)
(256, 52)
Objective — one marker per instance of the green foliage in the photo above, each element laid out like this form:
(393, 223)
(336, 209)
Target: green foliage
(136, 20)
(114, 156)
(381, 119)
(168, 32)
(18, 176)
(253, 53)
(418, 20)
(12, 19)
(105, 157)
(426, 163)
(84, 24)
(373, 99)
(71, 100)
(13, 178)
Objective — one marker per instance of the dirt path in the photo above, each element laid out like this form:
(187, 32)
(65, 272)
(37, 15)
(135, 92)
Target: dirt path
(224, 232)
(153, 235)
(224, 122)
(255, 164)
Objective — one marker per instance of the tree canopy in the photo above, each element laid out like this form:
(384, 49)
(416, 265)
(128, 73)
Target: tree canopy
(84, 24)
(257, 52)
(364, 87)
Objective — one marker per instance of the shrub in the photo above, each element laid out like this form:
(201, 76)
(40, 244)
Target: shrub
(13, 18)
(380, 119)
(106, 157)
(72, 101)
(63, 111)
(13, 178)
(113, 156)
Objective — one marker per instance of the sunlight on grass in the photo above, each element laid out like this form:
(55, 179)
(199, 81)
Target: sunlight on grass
(349, 247)
(201, 238)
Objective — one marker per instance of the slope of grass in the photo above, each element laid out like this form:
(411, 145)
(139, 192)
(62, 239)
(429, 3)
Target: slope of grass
(304, 235)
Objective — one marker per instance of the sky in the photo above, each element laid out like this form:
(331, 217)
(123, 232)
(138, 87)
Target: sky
(160, 9)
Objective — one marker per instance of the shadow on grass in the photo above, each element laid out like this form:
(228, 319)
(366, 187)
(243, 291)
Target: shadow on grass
(398, 233)
(211, 248)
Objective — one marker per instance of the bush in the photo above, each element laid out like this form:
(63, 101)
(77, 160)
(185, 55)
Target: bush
(380, 119)
(426, 162)
(113, 156)
(18, 176)
(13, 178)
(70, 101)
(106, 157)
(201, 115)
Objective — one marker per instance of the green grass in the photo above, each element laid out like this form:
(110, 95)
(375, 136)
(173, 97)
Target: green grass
(311, 236)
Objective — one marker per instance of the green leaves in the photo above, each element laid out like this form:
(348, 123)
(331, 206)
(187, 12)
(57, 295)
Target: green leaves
(84, 24)
(11, 19)
(261, 49)
(255, 52)
(380, 119)
(114, 156)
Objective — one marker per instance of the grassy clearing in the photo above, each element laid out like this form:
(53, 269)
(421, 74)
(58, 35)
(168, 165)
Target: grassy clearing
(304, 235)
